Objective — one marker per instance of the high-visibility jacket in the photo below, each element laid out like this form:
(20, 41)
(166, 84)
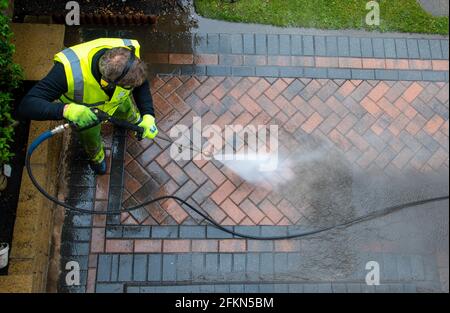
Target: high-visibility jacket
(83, 88)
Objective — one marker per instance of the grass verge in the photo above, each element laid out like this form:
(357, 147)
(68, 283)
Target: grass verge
(395, 15)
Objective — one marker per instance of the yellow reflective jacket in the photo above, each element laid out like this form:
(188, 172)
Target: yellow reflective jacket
(83, 88)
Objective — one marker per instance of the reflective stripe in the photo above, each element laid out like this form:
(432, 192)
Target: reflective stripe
(78, 92)
(86, 104)
(127, 42)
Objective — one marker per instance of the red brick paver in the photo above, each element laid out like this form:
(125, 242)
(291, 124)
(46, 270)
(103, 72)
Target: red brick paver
(376, 125)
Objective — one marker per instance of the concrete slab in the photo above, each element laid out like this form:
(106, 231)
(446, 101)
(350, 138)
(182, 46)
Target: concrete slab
(36, 44)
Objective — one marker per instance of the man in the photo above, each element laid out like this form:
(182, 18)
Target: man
(105, 73)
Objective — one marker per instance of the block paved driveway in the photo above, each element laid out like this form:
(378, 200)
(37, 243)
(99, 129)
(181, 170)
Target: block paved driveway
(377, 126)
(392, 131)
(348, 145)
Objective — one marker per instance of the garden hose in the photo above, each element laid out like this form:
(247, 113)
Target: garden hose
(50, 133)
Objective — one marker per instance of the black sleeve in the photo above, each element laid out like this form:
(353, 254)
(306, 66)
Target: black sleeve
(38, 102)
(143, 98)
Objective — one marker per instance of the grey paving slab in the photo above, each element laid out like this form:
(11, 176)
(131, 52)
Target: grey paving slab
(164, 232)
(218, 70)
(355, 47)
(169, 267)
(332, 46)
(339, 288)
(193, 70)
(386, 74)
(251, 288)
(296, 288)
(154, 271)
(77, 234)
(243, 71)
(366, 47)
(225, 262)
(75, 248)
(296, 45)
(261, 43)
(212, 233)
(410, 75)
(249, 43)
(273, 44)
(290, 71)
(363, 74)
(248, 230)
(109, 288)
(389, 48)
(320, 46)
(401, 48)
(115, 267)
(413, 48)
(140, 267)
(267, 264)
(378, 47)
(192, 231)
(444, 49)
(267, 71)
(104, 268)
(343, 46)
(212, 43)
(434, 76)
(312, 72)
(285, 44)
(211, 263)
(339, 73)
(184, 267)
(136, 232)
(435, 47)
(308, 45)
(239, 262)
(424, 49)
(198, 265)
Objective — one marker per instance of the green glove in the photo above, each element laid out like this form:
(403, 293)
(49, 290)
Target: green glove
(79, 114)
(149, 126)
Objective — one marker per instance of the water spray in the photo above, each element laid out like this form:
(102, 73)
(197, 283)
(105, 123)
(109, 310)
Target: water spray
(104, 117)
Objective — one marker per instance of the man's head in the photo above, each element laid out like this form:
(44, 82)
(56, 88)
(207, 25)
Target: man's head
(113, 63)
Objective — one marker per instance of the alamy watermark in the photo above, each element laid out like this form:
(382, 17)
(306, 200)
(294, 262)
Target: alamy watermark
(373, 17)
(373, 276)
(233, 142)
(73, 16)
(73, 274)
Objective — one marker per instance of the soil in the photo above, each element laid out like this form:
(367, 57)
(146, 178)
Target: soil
(10, 196)
(50, 7)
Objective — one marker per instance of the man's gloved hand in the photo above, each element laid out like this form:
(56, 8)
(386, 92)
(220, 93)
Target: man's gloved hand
(149, 126)
(79, 114)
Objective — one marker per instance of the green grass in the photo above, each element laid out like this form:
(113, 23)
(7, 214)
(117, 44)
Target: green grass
(395, 15)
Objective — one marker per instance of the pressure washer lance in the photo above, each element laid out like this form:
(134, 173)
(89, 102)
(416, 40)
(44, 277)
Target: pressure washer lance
(103, 117)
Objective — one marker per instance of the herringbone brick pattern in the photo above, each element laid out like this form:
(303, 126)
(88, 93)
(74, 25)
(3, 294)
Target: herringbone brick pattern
(382, 126)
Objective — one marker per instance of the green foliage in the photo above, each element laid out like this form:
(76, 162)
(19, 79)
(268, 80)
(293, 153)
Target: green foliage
(395, 15)
(3, 4)
(10, 78)
(6, 129)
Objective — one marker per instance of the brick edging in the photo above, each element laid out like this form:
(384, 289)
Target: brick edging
(298, 66)
(298, 61)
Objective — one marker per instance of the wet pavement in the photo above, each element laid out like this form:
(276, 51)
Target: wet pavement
(347, 146)
(435, 7)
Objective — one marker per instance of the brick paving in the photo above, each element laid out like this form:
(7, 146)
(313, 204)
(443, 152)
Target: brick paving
(389, 126)
(382, 126)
